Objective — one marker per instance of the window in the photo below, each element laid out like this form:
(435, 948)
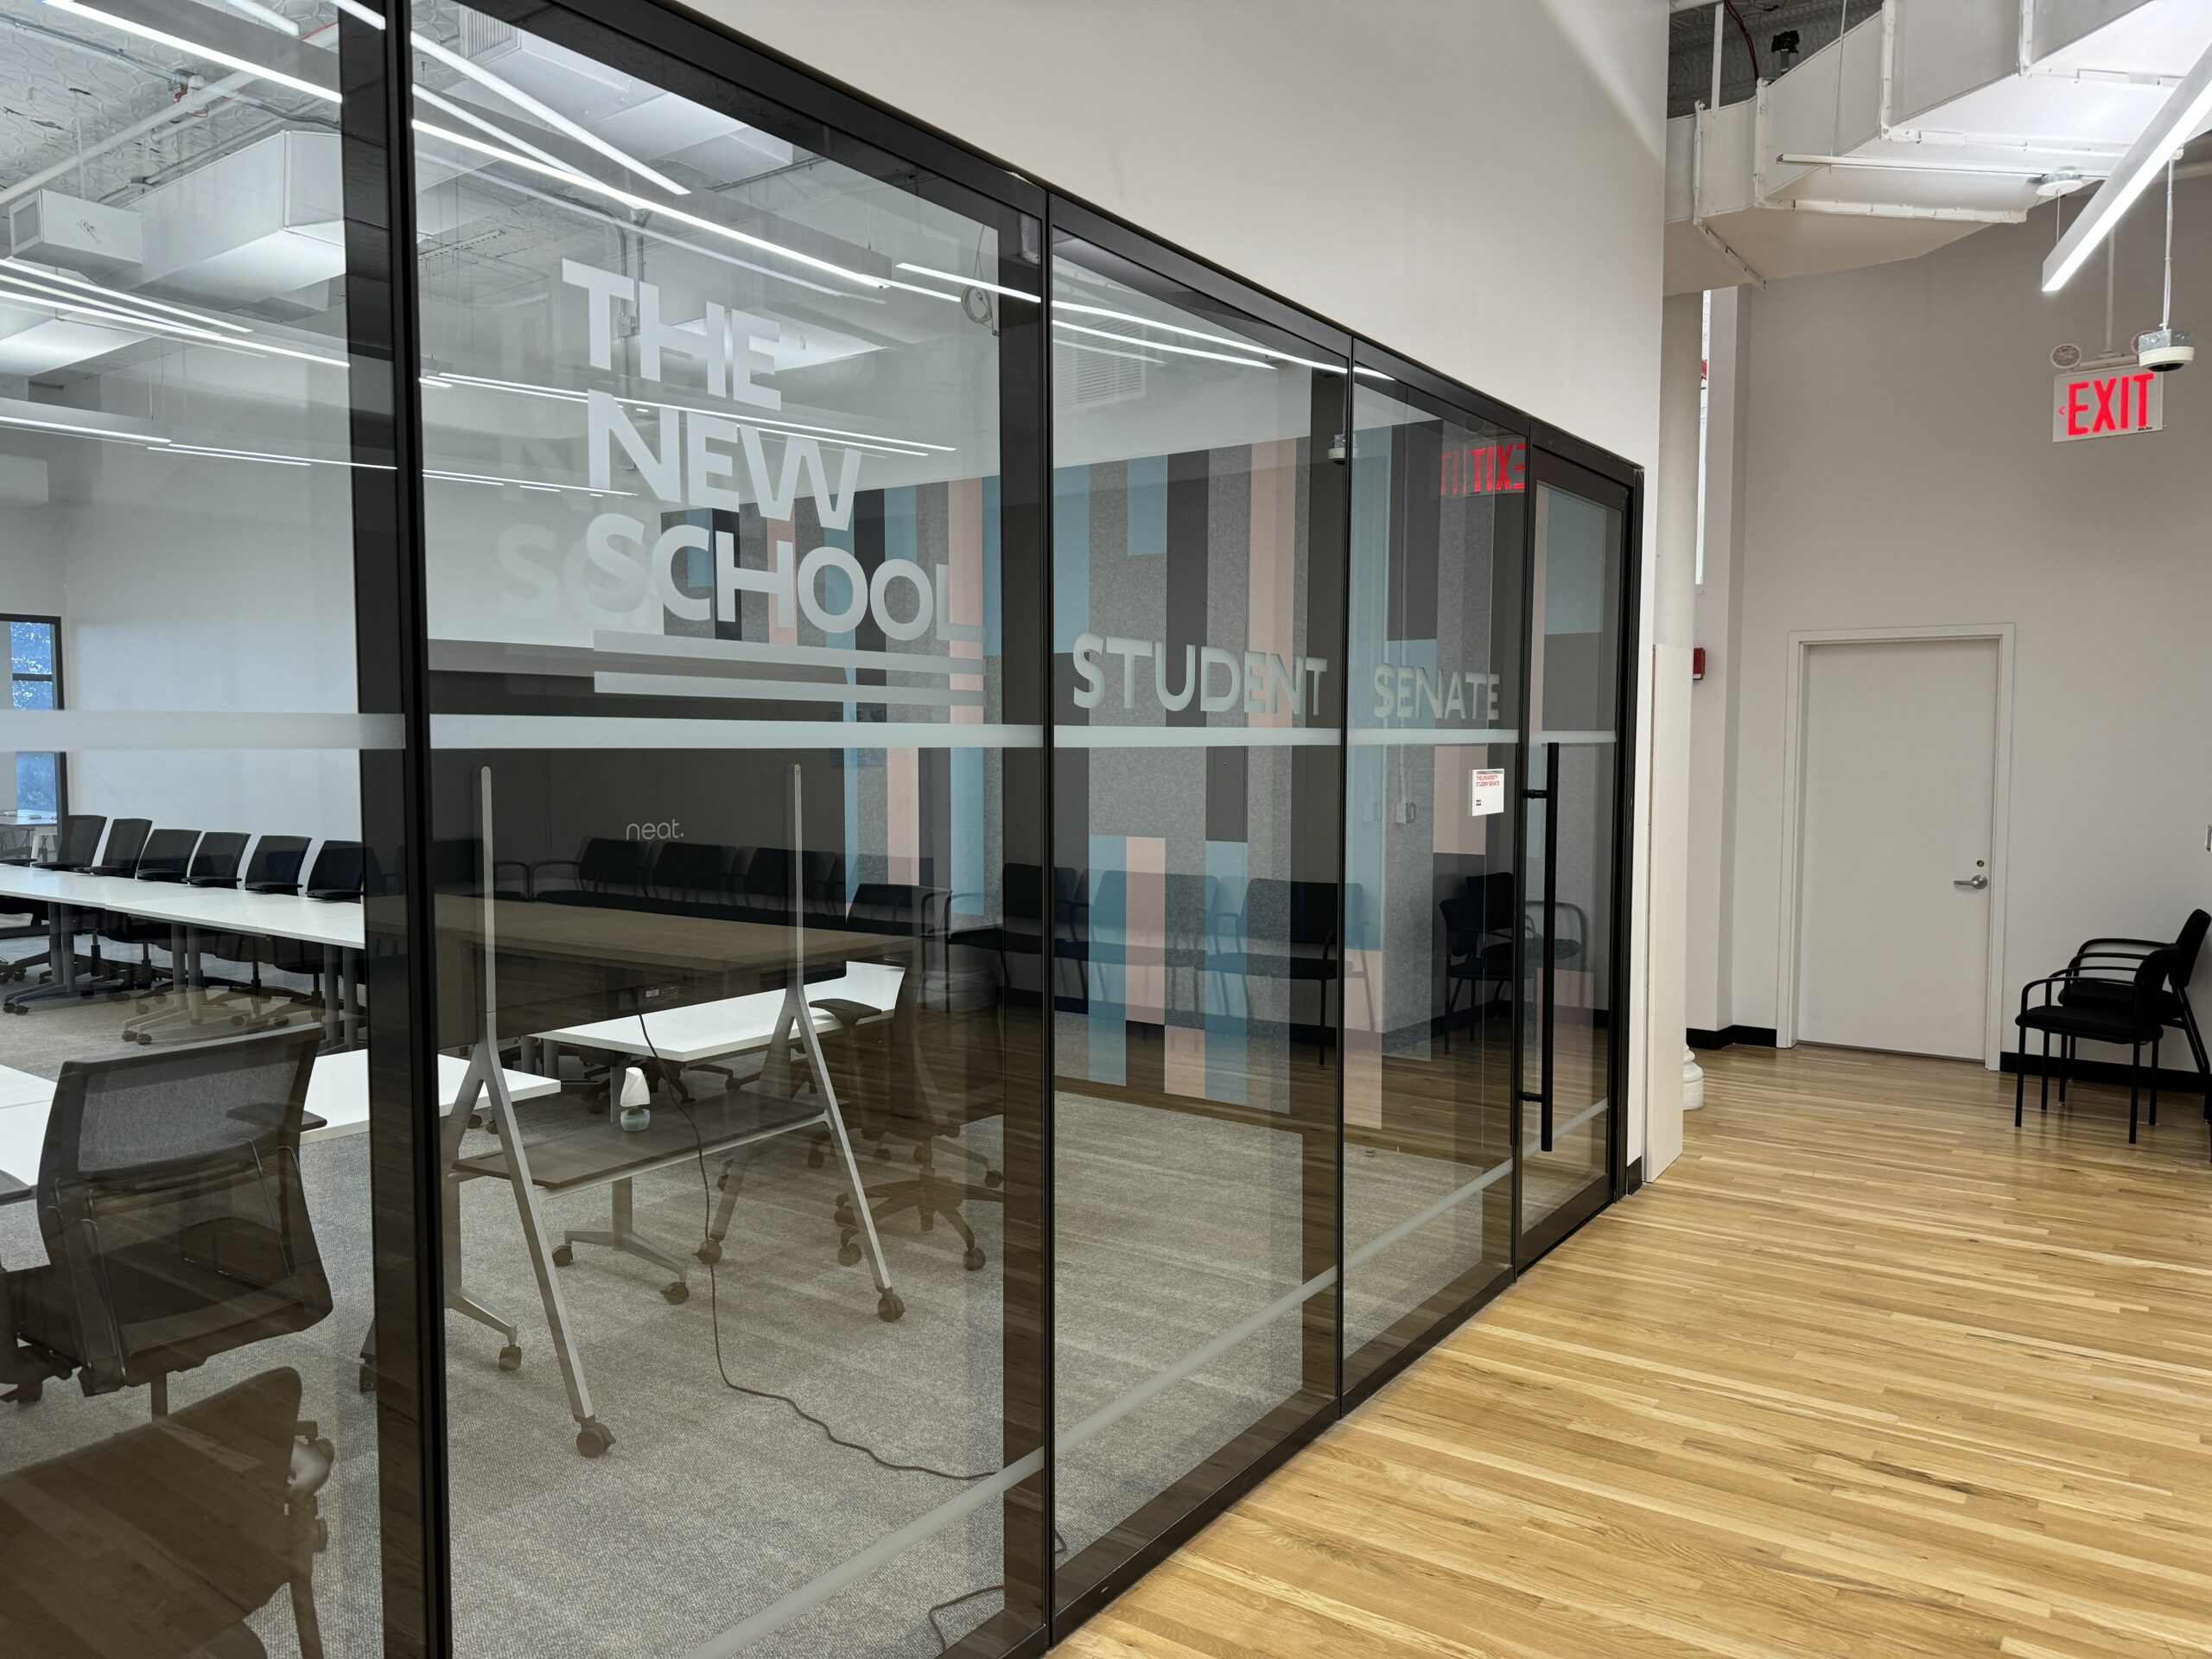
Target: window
(34, 686)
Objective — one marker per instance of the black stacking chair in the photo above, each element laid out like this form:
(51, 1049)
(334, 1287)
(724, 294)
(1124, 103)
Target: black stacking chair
(606, 870)
(2172, 1003)
(2132, 1026)
(1288, 932)
(693, 872)
(174, 1218)
(160, 1542)
(1475, 955)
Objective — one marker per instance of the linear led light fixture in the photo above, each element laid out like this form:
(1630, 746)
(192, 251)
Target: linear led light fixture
(1108, 351)
(569, 395)
(267, 17)
(550, 117)
(150, 441)
(113, 316)
(1372, 374)
(2179, 120)
(214, 54)
(1160, 345)
(491, 129)
(55, 279)
(521, 483)
(1193, 334)
(266, 454)
(630, 199)
(967, 281)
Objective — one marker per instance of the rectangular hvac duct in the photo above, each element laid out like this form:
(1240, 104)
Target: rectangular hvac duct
(68, 231)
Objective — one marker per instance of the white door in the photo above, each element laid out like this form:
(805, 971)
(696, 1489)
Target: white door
(1894, 831)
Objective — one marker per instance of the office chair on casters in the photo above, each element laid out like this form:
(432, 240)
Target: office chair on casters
(77, 839)
(900, 1099)
(160, 1542)
(126, 840)
(274, 868)
(214, 863)
(2132, 1024)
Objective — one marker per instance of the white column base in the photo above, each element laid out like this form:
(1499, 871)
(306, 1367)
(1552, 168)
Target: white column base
(1693, 1081)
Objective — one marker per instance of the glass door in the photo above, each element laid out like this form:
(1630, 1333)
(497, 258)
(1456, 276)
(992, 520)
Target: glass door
(1569, 1082)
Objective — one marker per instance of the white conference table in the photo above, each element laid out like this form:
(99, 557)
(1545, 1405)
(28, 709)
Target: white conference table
(729, 1025)
(337, 1094)
(336, 927)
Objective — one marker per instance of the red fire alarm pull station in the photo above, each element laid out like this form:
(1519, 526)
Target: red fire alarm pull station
(1697, 661)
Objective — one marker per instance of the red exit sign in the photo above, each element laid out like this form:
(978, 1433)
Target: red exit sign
(2108, 405)
(1485, 469)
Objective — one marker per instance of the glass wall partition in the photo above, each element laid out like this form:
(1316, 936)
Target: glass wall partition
(1433, 909)
(1198, 584)
(734, 598)
(189, 1257)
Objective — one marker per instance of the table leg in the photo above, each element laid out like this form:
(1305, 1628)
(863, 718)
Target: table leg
(622, 1235)
(351, 992)
(329, 997)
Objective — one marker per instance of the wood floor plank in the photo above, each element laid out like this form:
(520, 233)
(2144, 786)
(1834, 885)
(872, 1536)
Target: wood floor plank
(1868, 1373)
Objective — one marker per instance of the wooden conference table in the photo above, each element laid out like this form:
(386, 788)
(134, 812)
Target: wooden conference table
(191, 912)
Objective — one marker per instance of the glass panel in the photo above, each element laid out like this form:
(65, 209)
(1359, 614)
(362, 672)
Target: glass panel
(31, 646)
(735, 610)
(1431, 900)
(186, 1268)
(1574, 756)
(1198, 580)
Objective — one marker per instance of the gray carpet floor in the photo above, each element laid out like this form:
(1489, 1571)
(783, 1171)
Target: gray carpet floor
(715, 1504)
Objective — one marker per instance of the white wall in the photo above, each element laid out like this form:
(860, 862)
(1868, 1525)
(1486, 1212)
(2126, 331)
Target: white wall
(1477, 185)
(1898, 470)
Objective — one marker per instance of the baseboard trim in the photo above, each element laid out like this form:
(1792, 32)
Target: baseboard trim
(2171, 1082)
(1727, 1036)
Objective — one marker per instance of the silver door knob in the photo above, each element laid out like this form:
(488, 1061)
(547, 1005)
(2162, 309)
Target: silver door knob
(1974, 883)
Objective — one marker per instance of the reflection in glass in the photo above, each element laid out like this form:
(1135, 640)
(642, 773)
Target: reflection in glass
(1574, 677)
(189, 1464)
(1432, 901)
(1196, 637)
(735, 601)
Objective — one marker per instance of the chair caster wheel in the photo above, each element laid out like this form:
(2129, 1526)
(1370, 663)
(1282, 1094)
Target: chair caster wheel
(28, 1393)
(592, 1439)
(848, 1254)
(814, 1157)
(368, 1379)
(564, 1254)
(710, 1251)
(974, 1258)
(993, 1178)
(511, 1357)
(676, 1290)
(722, 1182)
(888, 1307)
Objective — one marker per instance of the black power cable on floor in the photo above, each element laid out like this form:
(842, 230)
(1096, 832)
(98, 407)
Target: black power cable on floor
(714, 1308)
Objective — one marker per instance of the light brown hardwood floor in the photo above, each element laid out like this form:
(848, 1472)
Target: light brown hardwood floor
(1866, 1373)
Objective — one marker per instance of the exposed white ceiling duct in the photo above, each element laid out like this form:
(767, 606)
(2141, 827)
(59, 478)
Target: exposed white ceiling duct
(1929, 120)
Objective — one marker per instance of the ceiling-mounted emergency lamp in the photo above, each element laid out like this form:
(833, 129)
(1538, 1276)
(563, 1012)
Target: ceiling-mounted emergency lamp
(2179, 118)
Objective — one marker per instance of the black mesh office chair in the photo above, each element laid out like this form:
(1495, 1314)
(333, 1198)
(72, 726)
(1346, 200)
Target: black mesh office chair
(215, 860)
(160, 1542)
(173, 1213)
(338, 875)
(274, 868)
(126, 839)
(76, 840)
(214, 864)
(165, 856)
(2132, 1024)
